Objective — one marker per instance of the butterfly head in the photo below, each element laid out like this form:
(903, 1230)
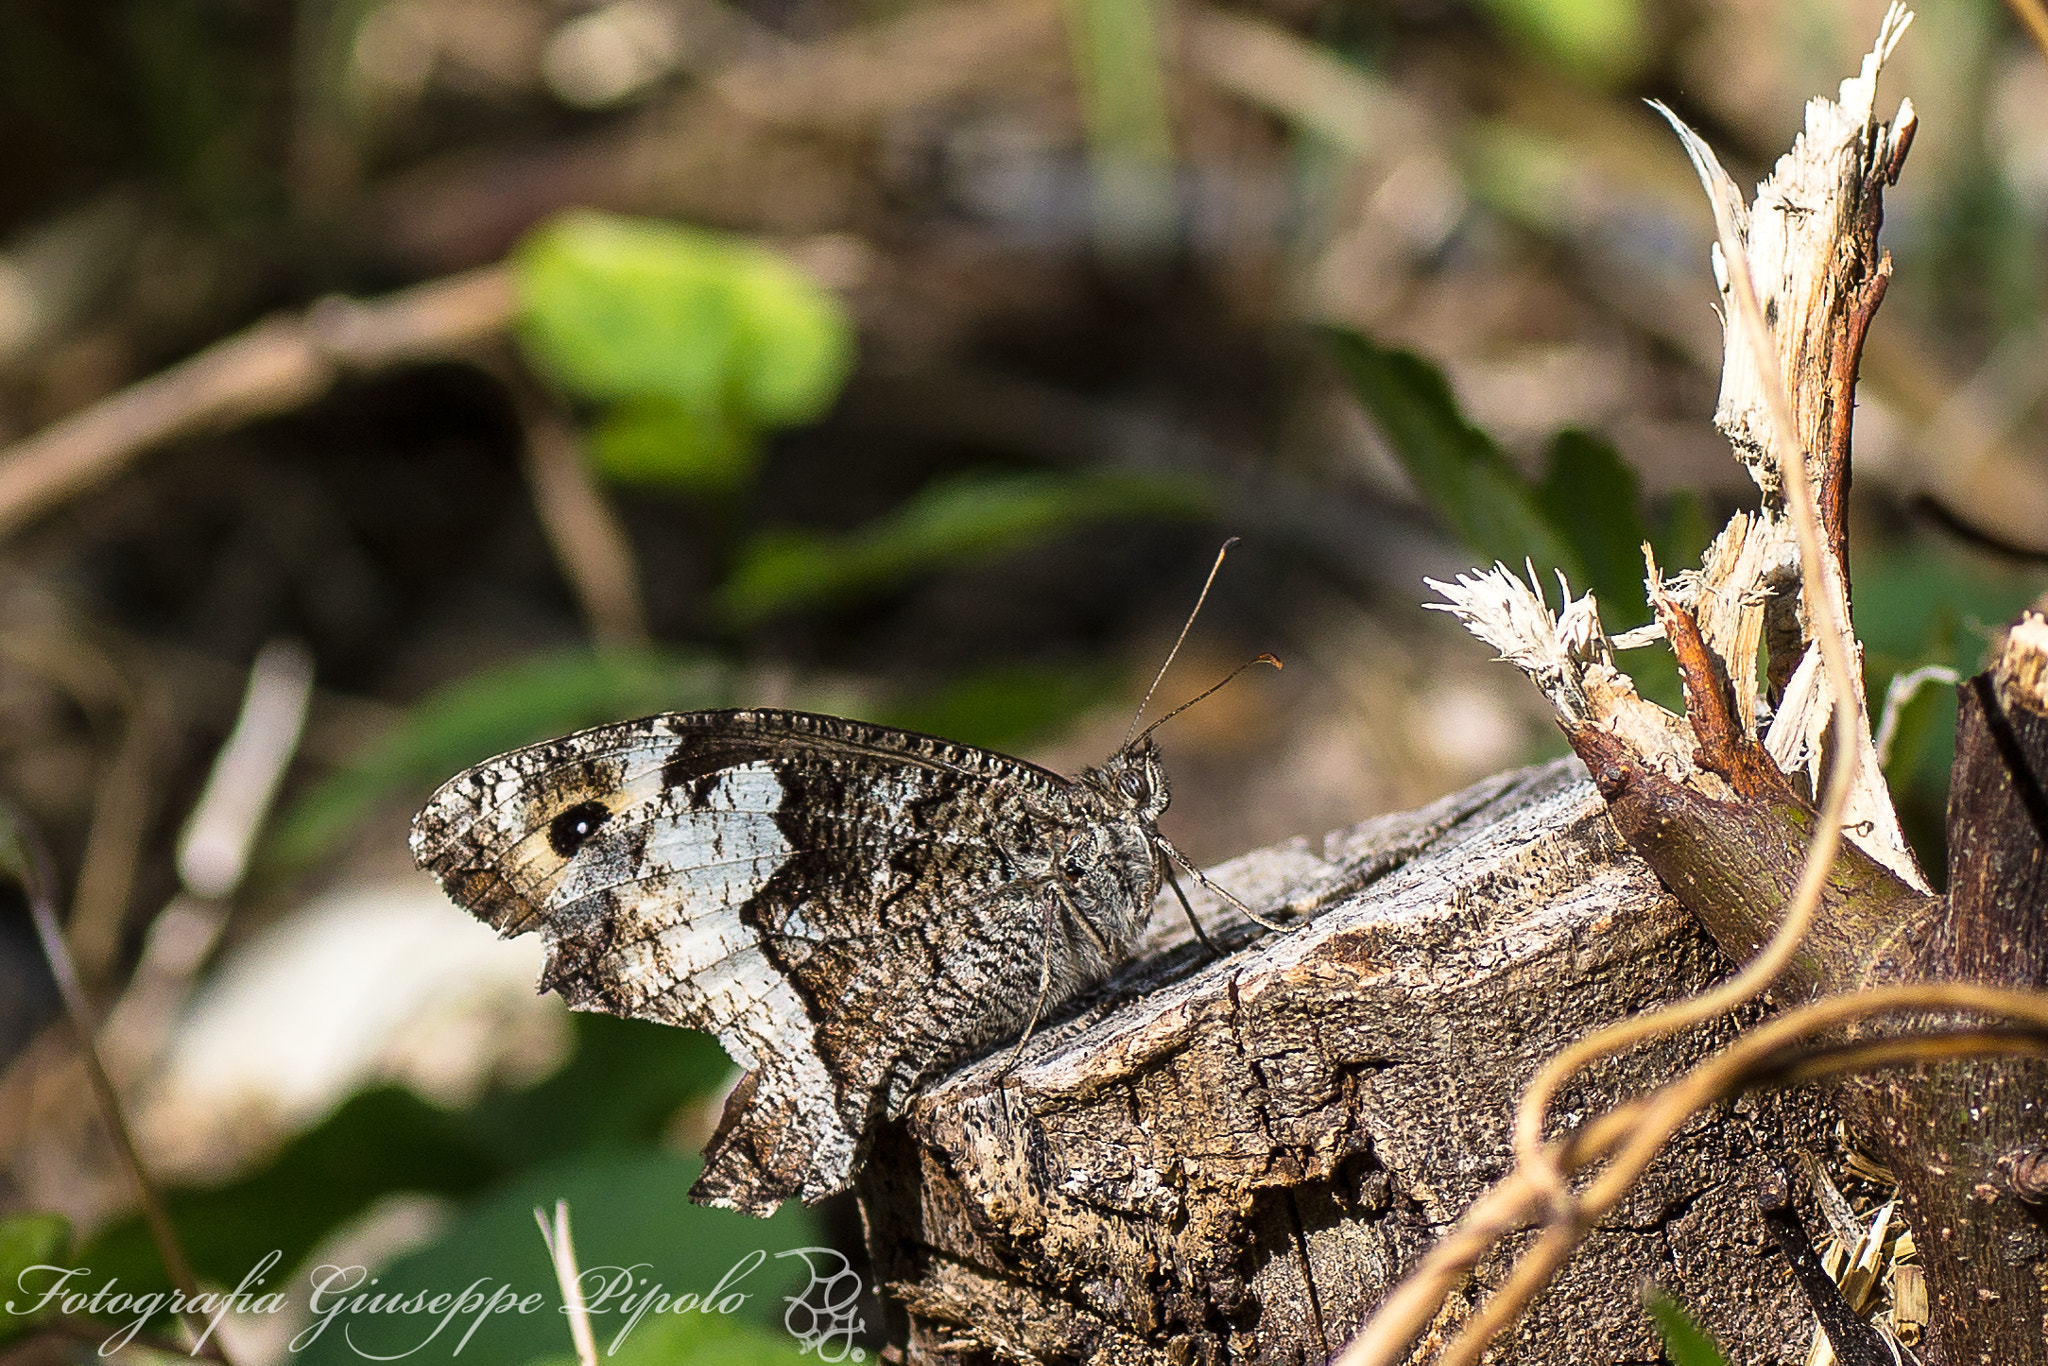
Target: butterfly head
(1133, 780)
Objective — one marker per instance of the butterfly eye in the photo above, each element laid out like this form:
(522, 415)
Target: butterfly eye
(568, 831)
(1073, 868)
(1131, 783)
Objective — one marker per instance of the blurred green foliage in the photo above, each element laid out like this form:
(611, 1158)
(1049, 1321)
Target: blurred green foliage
(629, 1211)
(1115, 50)
(1004, 708)
(206, 101)
(623, 1084)
(697, 1340)
(1584, 517)
(1456, 467)
(1685, 1342)
(1603, 42)
(593, 1133)
(969, 516)
(696, 341)
(378, 1142)
(1917, 604)
(27, 1240)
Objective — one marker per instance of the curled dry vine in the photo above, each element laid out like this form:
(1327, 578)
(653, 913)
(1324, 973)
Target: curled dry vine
(1783, 1051)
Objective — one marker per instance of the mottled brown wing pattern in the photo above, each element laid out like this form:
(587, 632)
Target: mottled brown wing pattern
(848, 908)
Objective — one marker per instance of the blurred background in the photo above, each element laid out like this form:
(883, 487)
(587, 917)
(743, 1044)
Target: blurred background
(905, 359)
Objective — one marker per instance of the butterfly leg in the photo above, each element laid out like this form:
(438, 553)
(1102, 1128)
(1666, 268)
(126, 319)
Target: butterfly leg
(1044, 979)
(1194, 923)
(1196, 873)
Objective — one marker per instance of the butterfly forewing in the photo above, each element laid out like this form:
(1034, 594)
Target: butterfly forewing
(848, 908)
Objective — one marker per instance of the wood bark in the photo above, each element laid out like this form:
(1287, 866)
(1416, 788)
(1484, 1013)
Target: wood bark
(1234, 1159)
(1969, 1144)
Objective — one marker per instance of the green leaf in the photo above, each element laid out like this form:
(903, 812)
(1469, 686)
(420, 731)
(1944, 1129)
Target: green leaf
(1004, 708)
(1584, 517)
(485, 714)
(377, 1142)
(1919, 721)
(958, 519)
(795, 345)
(622, 1085)
(627, 1210)
(1901, 591)
(27, 1240)
(729, 336)
(1922, 604)
(1593, 498)
(656, 440)
(698, 1340)
(620, 1088)
(1455, 466)
(1605, 41)
(1684, 1341)
(1682, 536)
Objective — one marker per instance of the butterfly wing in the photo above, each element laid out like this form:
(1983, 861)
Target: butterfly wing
(847, 907)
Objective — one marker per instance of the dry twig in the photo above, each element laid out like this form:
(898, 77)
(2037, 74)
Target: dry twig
(562, 1253)
(590, 545)
(274, 367)
(31, 863)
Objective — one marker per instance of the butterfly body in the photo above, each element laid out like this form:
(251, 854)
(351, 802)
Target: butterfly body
(850, 908)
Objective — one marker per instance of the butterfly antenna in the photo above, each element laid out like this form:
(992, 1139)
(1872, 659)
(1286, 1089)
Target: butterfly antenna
(1274, 660)
(1196, 873)
(1204, 597)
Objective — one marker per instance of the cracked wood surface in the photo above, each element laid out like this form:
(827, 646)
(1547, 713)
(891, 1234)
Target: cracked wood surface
(1233, 1160)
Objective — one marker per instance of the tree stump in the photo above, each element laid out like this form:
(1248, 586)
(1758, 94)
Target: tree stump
(1234, 1159)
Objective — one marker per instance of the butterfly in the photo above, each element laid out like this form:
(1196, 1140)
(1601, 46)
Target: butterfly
(851, 909)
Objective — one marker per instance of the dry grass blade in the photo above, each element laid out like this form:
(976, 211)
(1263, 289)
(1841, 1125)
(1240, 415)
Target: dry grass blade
(31, 863)
(213, 851)
(562, 1253)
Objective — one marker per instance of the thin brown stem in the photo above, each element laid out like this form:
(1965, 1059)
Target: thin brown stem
(275, 366)
(38, 882)
(2033, 17)
(1726, 745)
(590, 543)
(113, 842)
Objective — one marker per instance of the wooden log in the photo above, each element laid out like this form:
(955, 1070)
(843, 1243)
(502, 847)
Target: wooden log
(1968, 1142)
(1233, 1160)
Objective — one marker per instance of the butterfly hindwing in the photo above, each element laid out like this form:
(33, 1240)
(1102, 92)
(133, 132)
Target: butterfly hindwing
(847, 907)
